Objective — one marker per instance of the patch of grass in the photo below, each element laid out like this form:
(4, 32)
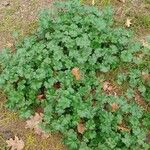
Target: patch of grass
(2, 143)
(142, 21)
(147, 1)
(100, 2)
(6, 116)
(138, 12)
(30, 140)
(10, 24)
(105, 2)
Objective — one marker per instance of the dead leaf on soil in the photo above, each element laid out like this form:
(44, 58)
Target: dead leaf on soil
(107, 87)
(122, 128)
(81, 128)
(39, 110)
(40, 97)
(114, 107)
(128, 22)
(33, 123)
(140, 101)
(76, 72)
(145, 76)
(16, 144)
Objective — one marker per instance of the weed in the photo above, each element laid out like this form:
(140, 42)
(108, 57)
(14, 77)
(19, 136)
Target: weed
(56, 67)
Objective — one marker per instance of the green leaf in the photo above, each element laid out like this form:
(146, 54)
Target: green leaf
(126, 56)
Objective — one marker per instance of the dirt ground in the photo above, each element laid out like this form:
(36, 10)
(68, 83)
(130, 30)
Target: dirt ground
(18, 16)
(21, 16)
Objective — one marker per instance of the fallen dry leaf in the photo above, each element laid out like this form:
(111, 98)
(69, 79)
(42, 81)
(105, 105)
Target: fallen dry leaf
(110, 89)
(39, 110)
(122, 128)
(34, 120)
(76, 72)
(114, 107)
(145, 76)
(40, 97)
(16, 144)
(33, 123)
(140, 101)
(128, 22)
(81, 128)
(107, 86)
(40, 132)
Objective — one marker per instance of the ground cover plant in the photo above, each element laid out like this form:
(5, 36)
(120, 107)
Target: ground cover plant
(59, 70)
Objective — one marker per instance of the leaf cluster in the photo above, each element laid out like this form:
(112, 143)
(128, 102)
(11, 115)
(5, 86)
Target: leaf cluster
(73, 35)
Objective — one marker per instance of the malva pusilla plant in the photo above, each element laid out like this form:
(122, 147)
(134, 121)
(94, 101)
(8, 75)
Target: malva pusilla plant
(58, 69)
